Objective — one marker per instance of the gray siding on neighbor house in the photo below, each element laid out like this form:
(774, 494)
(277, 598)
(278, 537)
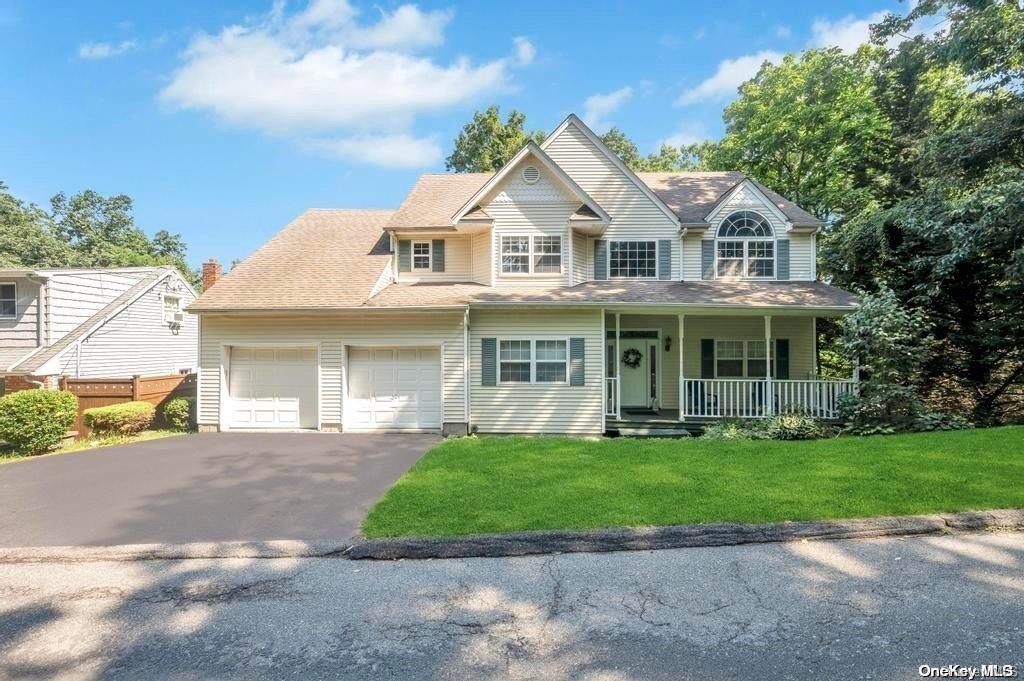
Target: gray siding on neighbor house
(76, 296)
(22, 330)
(137, 340)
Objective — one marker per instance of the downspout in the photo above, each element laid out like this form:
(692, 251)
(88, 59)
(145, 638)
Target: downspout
(465, 367)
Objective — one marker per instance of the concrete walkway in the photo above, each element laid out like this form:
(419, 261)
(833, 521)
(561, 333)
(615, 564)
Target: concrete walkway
(854, 609)
(203, 488)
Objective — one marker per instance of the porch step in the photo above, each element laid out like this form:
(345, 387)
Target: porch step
(643, 431)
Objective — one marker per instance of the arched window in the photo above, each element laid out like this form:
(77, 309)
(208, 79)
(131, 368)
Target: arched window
(745, 246)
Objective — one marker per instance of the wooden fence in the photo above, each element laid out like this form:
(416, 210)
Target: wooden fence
(101, 392)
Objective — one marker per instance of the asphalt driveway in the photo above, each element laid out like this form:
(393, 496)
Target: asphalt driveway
(208, 487)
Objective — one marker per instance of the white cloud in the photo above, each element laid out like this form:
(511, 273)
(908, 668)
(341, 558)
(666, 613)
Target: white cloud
(393, 151)
(525, 51)
(847, 33)
(105, 50)
(782, 31)
(686, 133)
(596, 107)
(319, 70)
(730, 74)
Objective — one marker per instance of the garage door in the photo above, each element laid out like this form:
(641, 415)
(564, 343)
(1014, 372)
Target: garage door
(393, 389)
(273, 388)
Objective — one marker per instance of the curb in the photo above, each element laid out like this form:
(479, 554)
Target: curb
(532, 543)
(204, 550)
(682, 536)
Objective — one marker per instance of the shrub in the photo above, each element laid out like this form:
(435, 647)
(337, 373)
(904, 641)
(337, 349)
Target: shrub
(936, 420)
(793, 427)
(34, 421)
(120, 419)
(731, 430)
(178, 413)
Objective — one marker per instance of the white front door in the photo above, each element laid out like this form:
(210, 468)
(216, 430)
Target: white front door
(393, 389)
(272, 388)
(635, 380)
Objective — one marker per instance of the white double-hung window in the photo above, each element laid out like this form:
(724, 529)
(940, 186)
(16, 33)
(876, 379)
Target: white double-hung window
(421, 256)
(741, 359)
(8, 301)
(533, 361)
(745, 247)
(531, 255)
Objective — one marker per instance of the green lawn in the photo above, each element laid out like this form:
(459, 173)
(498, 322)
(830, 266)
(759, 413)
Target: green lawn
(505, 484)
(6, 455)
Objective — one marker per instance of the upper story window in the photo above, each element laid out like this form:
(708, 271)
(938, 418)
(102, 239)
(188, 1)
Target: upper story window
(8, 300)
(172, 308)
(633, 259)
(531, 255)
(421, 255)
(745, 246)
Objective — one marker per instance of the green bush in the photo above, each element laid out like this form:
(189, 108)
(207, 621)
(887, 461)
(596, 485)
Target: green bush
(178, 413)
(120, 419)
(792, 427)
(731, 430)
(936, 420)
(34, 421)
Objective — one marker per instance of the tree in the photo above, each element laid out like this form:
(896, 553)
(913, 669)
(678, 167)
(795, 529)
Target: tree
(487, 143)
(810, 129)
(27, 236)
(623, 147)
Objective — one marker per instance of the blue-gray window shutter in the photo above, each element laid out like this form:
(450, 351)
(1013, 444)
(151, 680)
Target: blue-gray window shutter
(489, 361)
(577, 361)
(782, 359)
(437, 254)
(665, 259)
(600, 259)
(782, 259)
(707, 358)
(404, 255)
(707, 259)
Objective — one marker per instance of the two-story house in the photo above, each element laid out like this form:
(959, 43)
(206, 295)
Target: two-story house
(562, 294)
(86, 323)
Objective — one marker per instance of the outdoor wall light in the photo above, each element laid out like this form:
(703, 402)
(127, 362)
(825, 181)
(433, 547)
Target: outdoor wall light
(668, 343)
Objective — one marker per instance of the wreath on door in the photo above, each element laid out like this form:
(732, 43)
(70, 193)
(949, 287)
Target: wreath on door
(631, 358)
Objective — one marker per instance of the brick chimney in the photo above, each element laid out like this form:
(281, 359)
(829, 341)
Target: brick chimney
(211, 273)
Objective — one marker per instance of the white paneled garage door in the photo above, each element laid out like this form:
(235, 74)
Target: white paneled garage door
(393, 389)
(272, 388)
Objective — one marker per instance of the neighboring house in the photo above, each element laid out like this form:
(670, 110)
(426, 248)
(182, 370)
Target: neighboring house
(85, 323)
(562, 294)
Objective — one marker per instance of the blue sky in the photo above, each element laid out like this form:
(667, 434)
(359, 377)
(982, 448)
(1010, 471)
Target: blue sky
(225, 120)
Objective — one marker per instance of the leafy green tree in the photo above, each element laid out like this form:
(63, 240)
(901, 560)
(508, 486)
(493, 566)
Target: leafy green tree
(27, 236)
(487, 143)
(810, 128)
(624, 148)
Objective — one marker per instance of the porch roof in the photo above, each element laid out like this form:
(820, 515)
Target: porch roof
(751, 295)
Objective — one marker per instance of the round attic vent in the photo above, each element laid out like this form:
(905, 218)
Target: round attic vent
(531, 174)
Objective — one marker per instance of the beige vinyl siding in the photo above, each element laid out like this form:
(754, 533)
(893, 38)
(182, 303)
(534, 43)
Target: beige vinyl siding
(692, 268)
(537, 408)
(138, 341)
(801, 257)
(667, 361)
(22, 330)
(333, 332)
(582, 249)
(799, 331)
(458, 265)
(634, 215)
(76, 296)
(481, 265)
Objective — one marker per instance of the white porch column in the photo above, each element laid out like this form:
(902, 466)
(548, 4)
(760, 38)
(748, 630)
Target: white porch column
(618, 372)
(769, 406)
(682, 374)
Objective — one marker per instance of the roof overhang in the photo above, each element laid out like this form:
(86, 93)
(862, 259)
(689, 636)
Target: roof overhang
(530, 149)
(689, 228)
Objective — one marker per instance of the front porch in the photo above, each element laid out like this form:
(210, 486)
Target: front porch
(680, 371)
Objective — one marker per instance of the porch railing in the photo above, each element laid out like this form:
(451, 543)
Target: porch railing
(758, 398)
(611, 396)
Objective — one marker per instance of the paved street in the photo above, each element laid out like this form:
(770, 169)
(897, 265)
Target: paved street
(851, 609)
